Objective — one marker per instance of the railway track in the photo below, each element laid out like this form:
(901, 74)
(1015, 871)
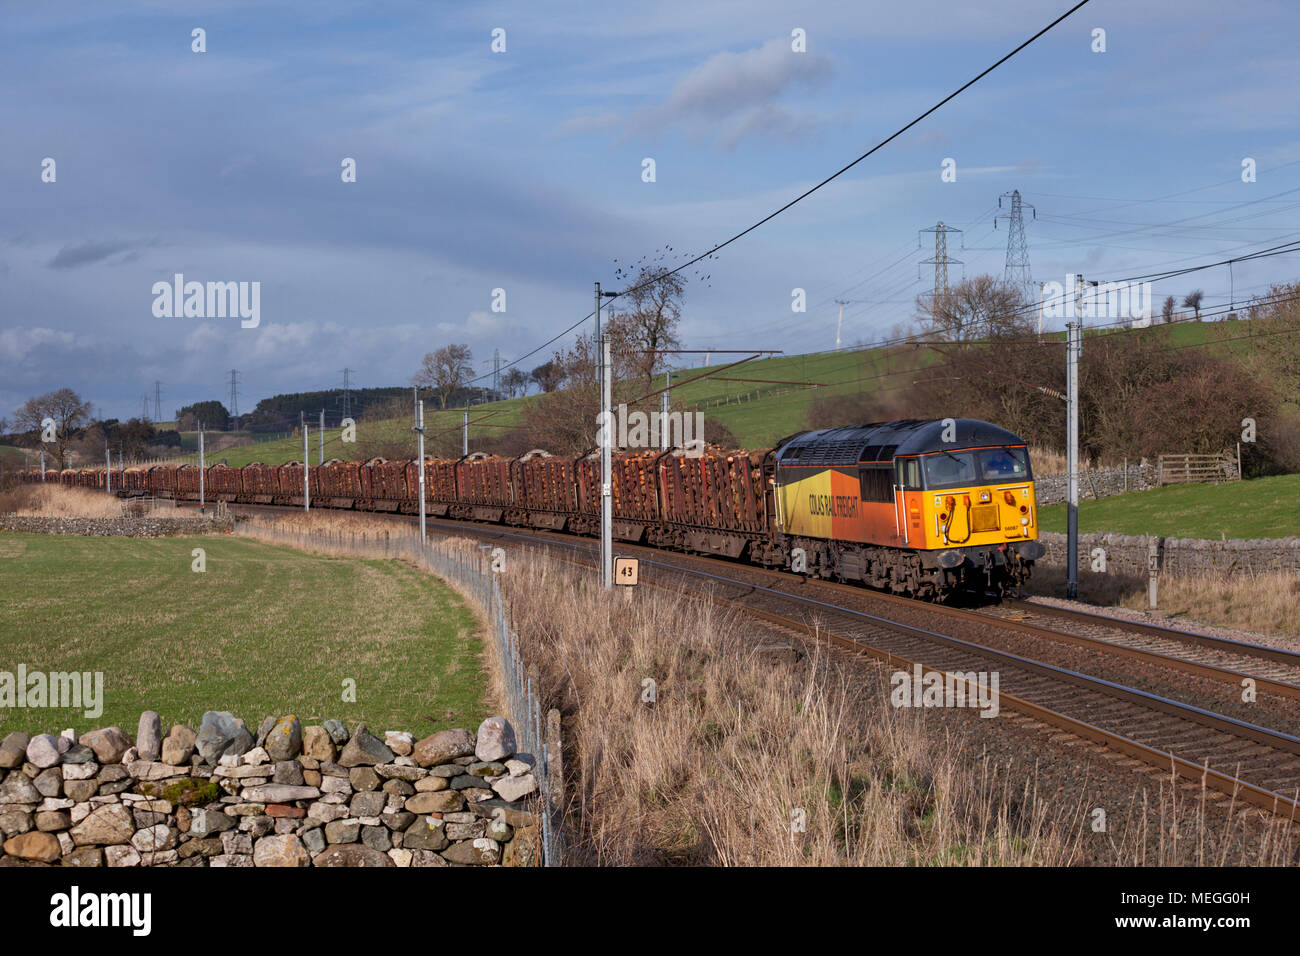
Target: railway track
(1250, 762)
(1273, 662)
(1274, 670)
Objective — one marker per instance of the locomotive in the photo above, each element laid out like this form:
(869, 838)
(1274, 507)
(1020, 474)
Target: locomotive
(919, 507)
(927, 508)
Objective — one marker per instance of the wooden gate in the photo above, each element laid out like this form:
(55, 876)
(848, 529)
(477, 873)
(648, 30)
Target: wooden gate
(1180, 469)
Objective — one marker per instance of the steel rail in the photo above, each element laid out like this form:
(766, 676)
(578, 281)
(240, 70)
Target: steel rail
(1228, 644)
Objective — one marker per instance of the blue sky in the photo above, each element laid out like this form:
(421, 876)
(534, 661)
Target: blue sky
(522, 171)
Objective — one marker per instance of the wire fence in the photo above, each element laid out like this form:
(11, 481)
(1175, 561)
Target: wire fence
(471, 573)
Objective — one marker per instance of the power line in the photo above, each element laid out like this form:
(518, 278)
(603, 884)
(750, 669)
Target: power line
(829, 179)
(884, 142)
(1289, 248)
(910, 251)
(1187, 219)
(1171, 197)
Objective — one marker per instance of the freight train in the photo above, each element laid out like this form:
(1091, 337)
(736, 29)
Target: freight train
(925, 508)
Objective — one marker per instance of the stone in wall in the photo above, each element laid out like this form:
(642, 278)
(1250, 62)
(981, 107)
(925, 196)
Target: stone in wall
(301, 796)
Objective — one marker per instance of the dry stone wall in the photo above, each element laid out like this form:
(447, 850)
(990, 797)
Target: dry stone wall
(1095, 483)
(127, 526)
(281, 795)
(1126, 554)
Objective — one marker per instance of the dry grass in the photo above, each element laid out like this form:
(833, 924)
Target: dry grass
(1045, 461)
(738, 741)
(1262, 602)
(737, 745)
(328, 522)
(341, 534)
(55, 501)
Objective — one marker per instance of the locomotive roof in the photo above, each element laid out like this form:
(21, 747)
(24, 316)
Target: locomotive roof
(883, 441)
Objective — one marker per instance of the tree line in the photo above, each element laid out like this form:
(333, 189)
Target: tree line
(62, 422)
(1143, 391)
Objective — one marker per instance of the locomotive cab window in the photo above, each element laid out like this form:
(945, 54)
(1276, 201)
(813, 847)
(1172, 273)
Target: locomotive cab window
(1004, 464)
(950, 469)
(909, 473)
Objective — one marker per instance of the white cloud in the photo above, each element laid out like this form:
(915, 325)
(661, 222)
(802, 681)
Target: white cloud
(17, 344)
(740, 91)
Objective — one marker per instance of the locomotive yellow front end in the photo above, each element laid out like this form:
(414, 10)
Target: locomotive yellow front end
(976, 511)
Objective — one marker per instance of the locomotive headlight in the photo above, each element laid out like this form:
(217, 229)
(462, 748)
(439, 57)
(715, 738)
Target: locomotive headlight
(1024, 521)
(985, 497)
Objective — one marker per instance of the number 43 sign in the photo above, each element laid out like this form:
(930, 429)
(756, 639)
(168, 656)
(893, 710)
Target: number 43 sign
(626, 571)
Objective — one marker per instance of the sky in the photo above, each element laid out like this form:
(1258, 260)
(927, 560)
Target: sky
(523, 169)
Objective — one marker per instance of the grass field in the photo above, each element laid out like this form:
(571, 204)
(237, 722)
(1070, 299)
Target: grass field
(263, 631)
(1258, 508)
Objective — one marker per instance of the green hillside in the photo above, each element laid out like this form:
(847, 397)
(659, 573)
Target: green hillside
(769, 403)
(12, 457)
(759, 401)
(1257, 508)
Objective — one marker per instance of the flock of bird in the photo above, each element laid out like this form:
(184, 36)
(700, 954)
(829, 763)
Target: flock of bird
(645, 267)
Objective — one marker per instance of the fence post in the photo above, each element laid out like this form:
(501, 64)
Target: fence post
(1153, 567)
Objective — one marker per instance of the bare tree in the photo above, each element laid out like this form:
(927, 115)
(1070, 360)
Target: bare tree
(1167, 310)
(565, 420)
(514, 382)
(445, 371)
(653, 309)
(577, 365)
(67, 410)
(977, 308)
(1193, 301)
(546, 377)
